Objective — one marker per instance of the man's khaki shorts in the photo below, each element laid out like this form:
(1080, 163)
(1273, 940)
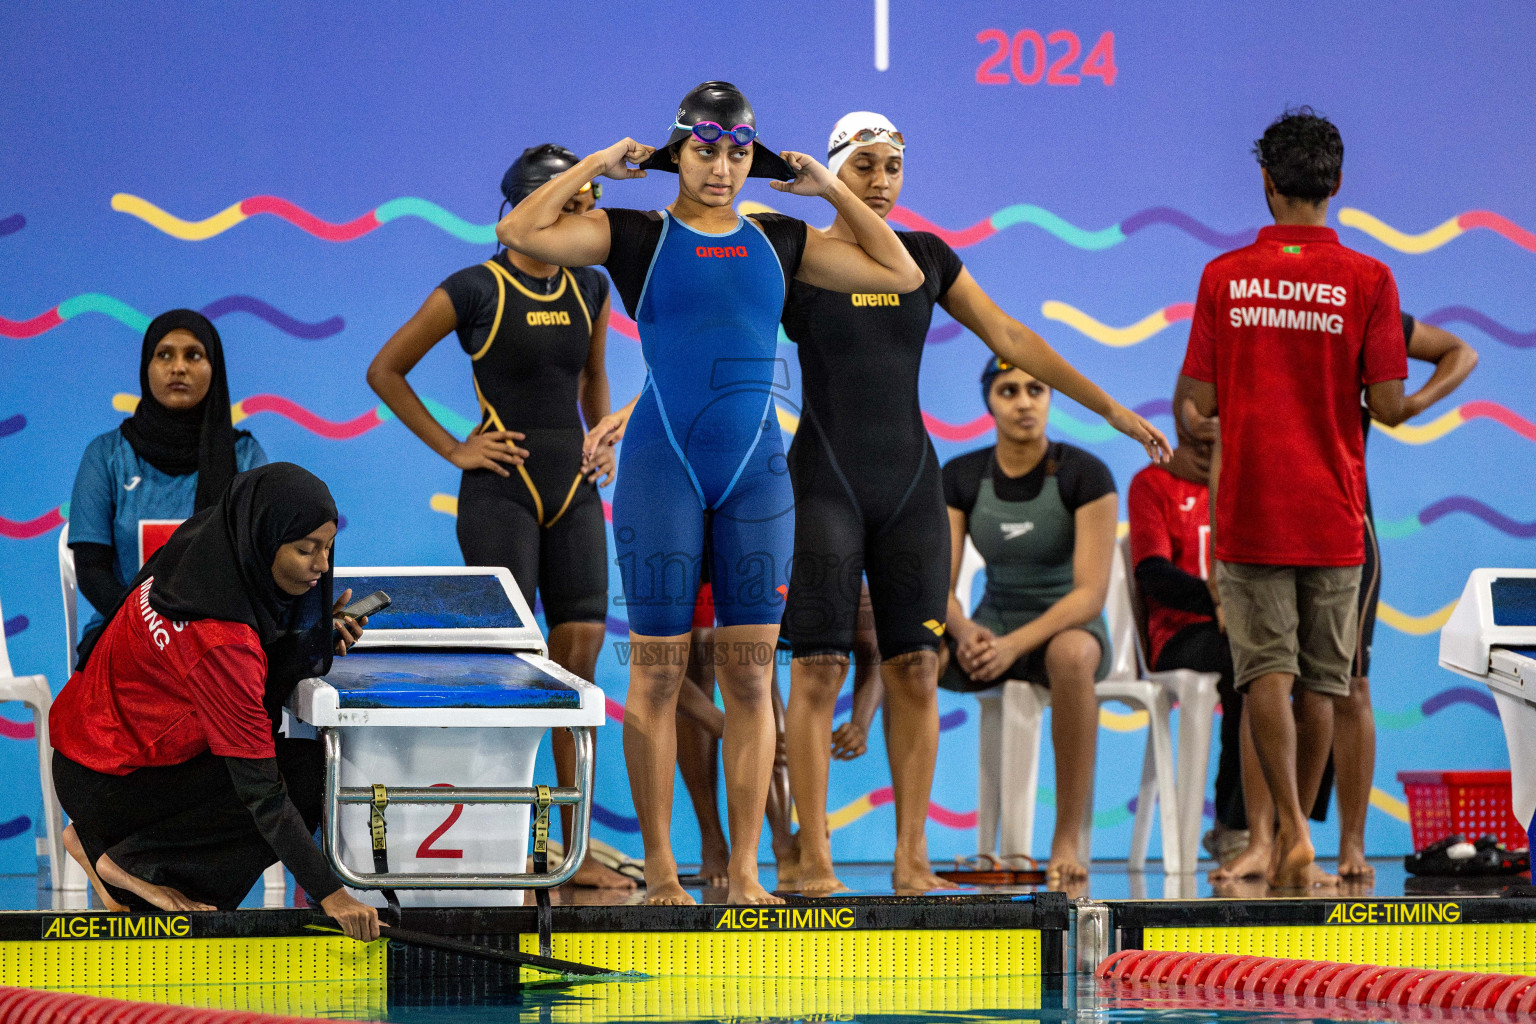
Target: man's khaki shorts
(1296, 620)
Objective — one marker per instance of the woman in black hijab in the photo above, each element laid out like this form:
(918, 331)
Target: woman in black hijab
(164, 753)
(173, 457)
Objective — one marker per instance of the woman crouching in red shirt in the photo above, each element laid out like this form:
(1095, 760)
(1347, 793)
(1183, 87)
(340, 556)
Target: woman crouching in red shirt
(165, 753)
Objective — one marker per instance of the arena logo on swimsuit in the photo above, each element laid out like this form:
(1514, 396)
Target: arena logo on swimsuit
(549, 318)
(152, 620)
(720, 252)
(875, 299)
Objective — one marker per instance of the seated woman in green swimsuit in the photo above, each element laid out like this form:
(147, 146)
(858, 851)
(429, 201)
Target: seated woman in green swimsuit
(1043, 516)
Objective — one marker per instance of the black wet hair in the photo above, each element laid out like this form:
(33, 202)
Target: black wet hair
(1303, 153)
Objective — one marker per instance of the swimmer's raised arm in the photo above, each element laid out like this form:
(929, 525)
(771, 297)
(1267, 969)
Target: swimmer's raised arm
(875, 262)
(539, 228)
(1017, 344)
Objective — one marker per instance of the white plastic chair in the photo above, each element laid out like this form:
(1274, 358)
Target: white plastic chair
(33, 691)
(274, 883)
(1195, 694)
(1009, 749)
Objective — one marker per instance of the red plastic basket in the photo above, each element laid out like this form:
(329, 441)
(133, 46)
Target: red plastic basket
(1466, 803)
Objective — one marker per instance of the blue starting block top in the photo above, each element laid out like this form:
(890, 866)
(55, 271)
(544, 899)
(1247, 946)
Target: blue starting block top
(1514, 601)
(438, 602)
(445, 679)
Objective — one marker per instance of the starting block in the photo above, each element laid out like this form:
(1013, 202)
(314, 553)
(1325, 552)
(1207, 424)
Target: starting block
(1491, 637)
(430, 726)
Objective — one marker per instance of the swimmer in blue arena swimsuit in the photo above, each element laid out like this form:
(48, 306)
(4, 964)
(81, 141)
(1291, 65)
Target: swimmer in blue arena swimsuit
(702, 469)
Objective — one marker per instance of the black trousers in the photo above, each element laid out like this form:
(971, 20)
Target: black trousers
(1203, 648)
(183, 825)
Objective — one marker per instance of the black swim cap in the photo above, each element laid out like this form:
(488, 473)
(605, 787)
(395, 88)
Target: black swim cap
(722, 103)
(537, 165)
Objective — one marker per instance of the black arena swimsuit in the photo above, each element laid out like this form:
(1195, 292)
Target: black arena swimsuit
(529, 339)
(868, 497)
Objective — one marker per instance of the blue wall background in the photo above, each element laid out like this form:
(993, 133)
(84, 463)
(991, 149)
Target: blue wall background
(342, 109)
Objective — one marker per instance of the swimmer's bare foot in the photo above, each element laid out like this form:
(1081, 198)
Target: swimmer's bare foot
(1352, 863)
(1239, 888)
(162, 896)
(1297, 868)
(911, 874)
(592, 875)
(817, 880)
(918, 883)
(1251, 863)
(662, 889)
(76, 851)
(750, 891)
(1064, 867)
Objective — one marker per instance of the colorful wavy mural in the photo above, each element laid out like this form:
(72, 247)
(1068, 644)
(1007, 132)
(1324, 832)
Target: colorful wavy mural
(1434, 238)
(95, 302)
(1410, 525)
(1009, 216)
(283, 209)
(1434, 430)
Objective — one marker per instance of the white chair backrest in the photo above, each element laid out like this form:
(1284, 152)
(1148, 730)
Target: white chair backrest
(970, 565)
(71, 613)
(1138, 608)
(5, 657)
(1120, 619)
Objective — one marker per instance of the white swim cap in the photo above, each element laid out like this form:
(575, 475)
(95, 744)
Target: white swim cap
(843, 144)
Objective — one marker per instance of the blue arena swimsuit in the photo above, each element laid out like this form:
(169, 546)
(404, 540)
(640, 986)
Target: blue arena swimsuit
(702, 468)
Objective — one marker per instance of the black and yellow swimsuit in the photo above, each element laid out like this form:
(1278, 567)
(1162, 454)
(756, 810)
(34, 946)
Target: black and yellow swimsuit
(528, 339)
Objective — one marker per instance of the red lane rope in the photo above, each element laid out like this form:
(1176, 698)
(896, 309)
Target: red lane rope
(1367, 984)
(34, 1006)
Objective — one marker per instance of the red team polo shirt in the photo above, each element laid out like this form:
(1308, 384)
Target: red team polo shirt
(158, 693)
(1170, 518)
(1289, 330)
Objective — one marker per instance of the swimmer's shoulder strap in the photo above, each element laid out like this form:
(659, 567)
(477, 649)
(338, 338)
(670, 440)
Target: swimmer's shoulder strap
(376, 830)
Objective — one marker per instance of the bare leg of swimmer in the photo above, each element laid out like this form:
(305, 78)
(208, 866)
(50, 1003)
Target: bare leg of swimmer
(814, 684)
(699, 727)
(912, 717)
(162, 896)
(1268, 703)
(574, 646)
(746, 682)
(656, 665)
(1256, 860)
(76, 850)
(1071, 658)
(1354, 758)
(785, 843)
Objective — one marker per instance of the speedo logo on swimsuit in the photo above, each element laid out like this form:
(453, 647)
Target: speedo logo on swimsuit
(875, 299)
(934, 626)
(548, 318)
(1013, 531)
(152, 620)
(719, 252)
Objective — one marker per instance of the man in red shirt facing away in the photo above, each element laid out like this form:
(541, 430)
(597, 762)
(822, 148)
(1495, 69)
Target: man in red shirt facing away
(1286, 333)
(1170, 516)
